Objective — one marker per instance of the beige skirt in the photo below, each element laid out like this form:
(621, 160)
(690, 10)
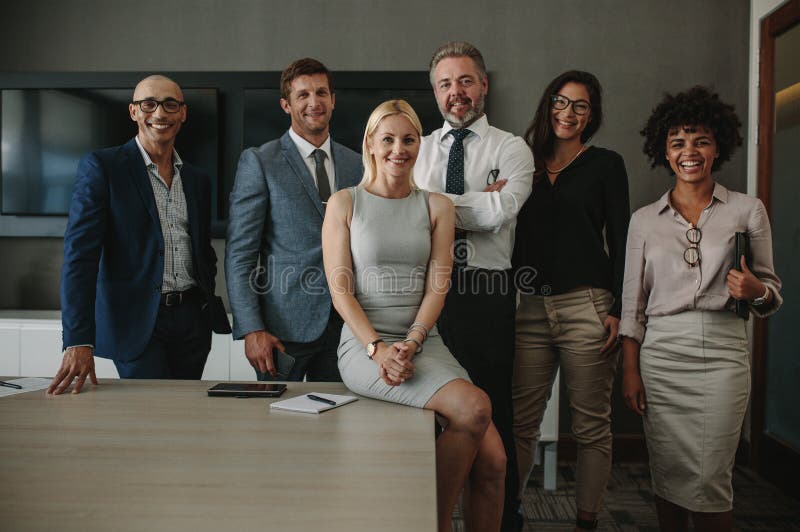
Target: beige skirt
(696, 376)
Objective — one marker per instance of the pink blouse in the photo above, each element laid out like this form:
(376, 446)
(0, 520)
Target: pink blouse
(659, 282)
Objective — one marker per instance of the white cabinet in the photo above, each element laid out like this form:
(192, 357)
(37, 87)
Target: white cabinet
(31, 347)
(218, 362)
(241, 370)
(39, 348)
(9, 348)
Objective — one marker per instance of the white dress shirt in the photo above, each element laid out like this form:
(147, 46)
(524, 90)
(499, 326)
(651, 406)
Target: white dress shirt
(488, 217)
(306, 149)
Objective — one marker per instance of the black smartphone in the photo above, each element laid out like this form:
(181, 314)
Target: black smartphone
(235, 389)
(284, 362)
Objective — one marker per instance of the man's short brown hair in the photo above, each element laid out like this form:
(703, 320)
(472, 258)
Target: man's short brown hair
(302, 67)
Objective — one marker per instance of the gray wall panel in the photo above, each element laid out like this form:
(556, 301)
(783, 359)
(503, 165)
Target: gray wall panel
(638, 48)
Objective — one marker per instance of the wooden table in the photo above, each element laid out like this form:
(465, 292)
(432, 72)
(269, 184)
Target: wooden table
(162, 456)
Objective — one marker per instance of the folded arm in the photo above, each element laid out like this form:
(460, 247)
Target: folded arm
(489, 211)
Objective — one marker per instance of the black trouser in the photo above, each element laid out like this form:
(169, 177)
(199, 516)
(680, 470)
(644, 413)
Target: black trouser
(477, 325)
(316, 361)
(179, 345)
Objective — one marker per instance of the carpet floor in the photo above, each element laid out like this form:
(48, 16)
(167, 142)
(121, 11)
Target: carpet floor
(758, 505)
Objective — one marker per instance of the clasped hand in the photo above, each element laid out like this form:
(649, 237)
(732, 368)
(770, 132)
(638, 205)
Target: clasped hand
(394, 362)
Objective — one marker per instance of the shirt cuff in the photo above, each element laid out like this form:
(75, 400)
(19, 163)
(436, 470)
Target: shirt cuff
(78, 345)
(632, 329)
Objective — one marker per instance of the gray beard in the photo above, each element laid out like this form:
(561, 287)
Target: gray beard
(472, 115)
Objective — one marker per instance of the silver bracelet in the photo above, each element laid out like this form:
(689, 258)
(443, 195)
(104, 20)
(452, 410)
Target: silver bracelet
(419, 345)
(419, 325)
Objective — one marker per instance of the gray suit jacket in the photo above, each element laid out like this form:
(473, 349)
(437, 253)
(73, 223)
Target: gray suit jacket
(273, 256)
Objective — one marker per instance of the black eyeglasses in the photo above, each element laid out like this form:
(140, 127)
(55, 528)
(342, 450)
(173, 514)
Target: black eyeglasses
(491, 177)
(149, 105)
(692, 254)
(581, 107)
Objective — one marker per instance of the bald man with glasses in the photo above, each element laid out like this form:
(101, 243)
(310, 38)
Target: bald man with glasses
(137, 282)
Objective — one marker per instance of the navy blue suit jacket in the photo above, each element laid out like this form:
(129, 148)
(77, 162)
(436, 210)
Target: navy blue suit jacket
(114, 251)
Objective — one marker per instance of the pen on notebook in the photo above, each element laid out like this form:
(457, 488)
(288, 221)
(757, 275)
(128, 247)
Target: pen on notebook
(321, 399)
(12, 385)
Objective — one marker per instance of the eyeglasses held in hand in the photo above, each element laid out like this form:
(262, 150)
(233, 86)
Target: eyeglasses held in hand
(692, 254)
(581, 107)
(491, 177)
(170, 105)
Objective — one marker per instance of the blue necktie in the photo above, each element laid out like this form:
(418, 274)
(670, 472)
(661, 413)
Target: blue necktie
(455, 162)
(454, 184)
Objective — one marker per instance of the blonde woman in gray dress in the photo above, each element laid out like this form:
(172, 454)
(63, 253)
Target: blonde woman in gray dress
(685, 359)
(387, 251)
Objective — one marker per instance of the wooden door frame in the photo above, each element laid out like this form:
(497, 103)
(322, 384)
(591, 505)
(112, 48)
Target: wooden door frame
(773, 458)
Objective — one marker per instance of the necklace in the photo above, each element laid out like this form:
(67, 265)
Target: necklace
(559, 170)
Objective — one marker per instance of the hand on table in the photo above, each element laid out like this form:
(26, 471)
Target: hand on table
(77, 362)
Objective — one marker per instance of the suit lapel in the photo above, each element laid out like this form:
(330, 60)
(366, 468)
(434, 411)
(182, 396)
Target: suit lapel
(138, 172)
(301, 171)
(340, 170)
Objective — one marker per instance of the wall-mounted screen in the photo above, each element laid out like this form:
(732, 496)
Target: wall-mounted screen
(49, 120)
(45, 132)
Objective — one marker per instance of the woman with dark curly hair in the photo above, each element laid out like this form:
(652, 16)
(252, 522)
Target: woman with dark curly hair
(570, 287)
(685, 356)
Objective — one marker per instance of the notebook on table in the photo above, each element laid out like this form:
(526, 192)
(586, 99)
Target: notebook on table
(304, 403)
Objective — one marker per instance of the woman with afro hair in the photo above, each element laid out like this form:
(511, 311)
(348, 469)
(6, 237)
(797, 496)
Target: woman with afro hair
(685, 357)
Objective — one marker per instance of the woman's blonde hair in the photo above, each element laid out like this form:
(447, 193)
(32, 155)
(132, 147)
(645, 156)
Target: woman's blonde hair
(387, 108)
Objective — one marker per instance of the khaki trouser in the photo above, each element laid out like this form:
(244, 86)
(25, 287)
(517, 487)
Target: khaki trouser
(566, 330)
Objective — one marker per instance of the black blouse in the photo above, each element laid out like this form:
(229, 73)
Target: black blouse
(560, 243)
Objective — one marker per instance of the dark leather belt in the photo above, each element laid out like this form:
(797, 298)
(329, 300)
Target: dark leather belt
(172, 299)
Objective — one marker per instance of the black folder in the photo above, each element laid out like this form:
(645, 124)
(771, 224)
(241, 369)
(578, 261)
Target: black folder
(742, 249)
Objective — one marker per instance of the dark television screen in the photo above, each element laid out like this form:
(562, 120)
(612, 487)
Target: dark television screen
(264, 120)
(45, 132)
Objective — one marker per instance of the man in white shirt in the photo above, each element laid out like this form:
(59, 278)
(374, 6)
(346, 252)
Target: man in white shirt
(273, 258)
(488, 174)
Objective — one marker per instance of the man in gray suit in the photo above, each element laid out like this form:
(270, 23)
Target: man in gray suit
(273, 260)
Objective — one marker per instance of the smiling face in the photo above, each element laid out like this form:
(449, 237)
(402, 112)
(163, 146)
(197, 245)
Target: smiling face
(310, 105)
(394, 147)
(157, 130)
(460, 91)
(568, 125)
(691, 152)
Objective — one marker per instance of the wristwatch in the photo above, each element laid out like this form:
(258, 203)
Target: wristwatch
(761, 300)
(372, 347)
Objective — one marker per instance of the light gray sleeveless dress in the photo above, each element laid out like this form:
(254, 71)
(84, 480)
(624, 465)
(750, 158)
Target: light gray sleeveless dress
(390, 242)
